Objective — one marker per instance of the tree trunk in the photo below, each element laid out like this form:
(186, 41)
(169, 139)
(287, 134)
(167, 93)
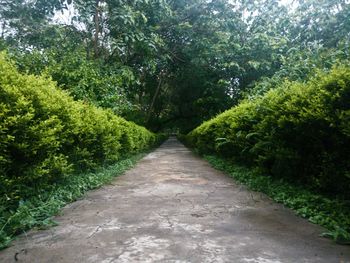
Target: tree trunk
(97, 27)
(154, 99)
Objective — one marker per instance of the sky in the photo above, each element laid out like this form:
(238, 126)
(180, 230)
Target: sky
(286, 2)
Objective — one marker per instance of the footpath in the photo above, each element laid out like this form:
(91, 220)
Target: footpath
(173, 207)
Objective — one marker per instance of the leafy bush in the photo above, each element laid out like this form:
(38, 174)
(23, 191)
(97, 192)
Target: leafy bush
(85, 79)
(45, 135)
(298, 130)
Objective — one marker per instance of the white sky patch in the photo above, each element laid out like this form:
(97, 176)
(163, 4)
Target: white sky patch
(290, 3)
(65, 16)
(286, 2)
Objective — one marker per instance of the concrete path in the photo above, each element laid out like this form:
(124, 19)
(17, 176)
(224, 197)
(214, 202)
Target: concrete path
(173, 207)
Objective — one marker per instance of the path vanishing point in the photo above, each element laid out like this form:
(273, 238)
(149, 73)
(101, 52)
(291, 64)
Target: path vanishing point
(173, 207)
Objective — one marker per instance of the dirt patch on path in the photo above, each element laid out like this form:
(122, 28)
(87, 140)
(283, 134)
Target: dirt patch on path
(173, 207)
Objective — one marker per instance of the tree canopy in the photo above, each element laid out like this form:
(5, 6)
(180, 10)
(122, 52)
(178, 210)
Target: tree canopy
(171, 64)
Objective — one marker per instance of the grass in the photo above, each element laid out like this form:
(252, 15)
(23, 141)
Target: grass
(37, 211)
(332, 214)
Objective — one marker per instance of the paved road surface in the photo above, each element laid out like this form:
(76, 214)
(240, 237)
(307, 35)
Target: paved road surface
(173, 207)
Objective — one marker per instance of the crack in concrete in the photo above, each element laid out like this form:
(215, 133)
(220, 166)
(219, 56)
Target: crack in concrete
(191, 203)
(177, 194)
(211, 193)
(213, 213)
(95, 231)
(171, 225)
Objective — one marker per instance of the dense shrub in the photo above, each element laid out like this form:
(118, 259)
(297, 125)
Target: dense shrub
(298, 130)
(90, 80)
(46, 135)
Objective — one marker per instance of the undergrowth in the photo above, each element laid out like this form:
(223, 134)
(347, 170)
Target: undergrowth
(37, 211)
(333, 214)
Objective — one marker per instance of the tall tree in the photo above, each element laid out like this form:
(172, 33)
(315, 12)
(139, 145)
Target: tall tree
(174, 63)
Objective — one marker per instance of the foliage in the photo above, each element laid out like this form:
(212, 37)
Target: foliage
(174, 64)
(45, 134)
(299, 64)
(83, 78)
(298, 131)
(37, 210)
(332, 214)
(24, 21)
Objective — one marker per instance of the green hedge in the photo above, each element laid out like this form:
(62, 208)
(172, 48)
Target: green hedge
(298, 130)
(45, 135)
